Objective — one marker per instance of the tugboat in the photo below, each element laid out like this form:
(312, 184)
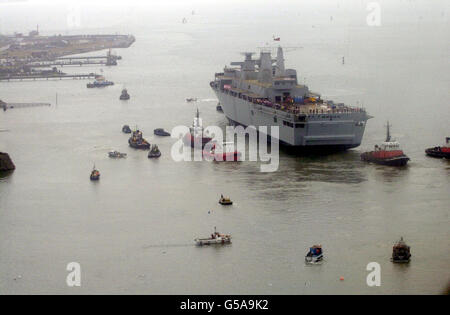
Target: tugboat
(401, 252)
(95, 174)
(225, 201)
(137, 141)
(99, 82)
(219, 108)
(161, 132)
(116, 154)
(124, 96)
(154, 152)
(216, 238)
(126, 129)
(314, 255)
(224, 152)
(191, 99)
(440, 152)
(195, 136)
(389, 153)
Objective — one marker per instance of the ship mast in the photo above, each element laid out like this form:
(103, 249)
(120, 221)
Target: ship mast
(388, 135)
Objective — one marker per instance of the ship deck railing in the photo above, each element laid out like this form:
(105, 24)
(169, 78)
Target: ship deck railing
(292, 107)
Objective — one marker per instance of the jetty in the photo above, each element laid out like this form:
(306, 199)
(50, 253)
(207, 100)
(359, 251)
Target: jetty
(107, 60)
(6, 106)
(60, 76)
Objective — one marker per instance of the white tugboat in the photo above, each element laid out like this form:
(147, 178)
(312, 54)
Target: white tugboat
(195, 137)
(216, 238)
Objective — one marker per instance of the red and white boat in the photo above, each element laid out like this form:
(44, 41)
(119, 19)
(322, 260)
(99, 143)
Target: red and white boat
(195, 137)
(222, 152)
(388, 153)
(440, 152)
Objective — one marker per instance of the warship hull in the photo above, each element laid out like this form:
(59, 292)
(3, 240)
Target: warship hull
(313, 132)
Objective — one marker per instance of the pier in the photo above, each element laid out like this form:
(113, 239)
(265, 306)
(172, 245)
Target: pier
(18, 77)
(6, 106)
(108, 60)
(46, 64)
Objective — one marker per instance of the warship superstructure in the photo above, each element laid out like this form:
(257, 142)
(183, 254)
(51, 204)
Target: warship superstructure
(262, 92)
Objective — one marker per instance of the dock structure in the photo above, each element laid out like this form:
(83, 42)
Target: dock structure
(108, 60)
(6, 106)
(59, 76)
(46, 64)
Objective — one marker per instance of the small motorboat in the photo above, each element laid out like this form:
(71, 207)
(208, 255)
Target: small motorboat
(401, 253)
(314, 255)
(191, 99)
(154, 152)
(95, 174)
(126, 129)
(216, 238)
(219, 108)
(440, 152)
(99, 82)
(161, 132)
(124, 96)
(225, 201)
(222, 152)
(116, 154)
(388, 153)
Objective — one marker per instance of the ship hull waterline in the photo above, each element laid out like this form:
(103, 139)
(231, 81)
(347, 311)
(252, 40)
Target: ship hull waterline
(395, 161)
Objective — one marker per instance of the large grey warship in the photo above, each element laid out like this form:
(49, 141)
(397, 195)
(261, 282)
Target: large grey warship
(261, 92)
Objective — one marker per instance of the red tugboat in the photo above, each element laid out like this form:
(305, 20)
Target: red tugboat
(388, 153)
(440, 152)
(222, 152)
(195, 136)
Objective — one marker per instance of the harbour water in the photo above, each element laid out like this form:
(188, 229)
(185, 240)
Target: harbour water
(133, 231)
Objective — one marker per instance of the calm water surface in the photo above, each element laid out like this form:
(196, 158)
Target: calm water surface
(133, 231)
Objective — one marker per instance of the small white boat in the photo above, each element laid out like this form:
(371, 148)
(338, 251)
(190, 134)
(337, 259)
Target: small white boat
(216, 238)
(117, 154)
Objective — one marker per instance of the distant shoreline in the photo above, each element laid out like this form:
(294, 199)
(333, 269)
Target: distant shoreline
(41, 48)
(18, 52)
